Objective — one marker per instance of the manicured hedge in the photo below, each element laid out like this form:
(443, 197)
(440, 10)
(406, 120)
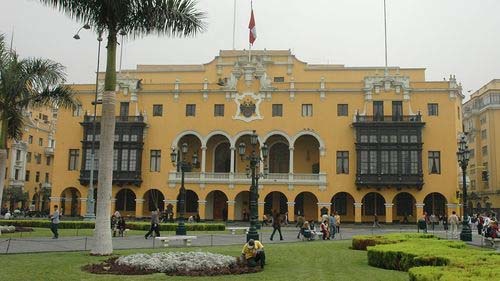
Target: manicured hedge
(428, 259)
(361, 242)
(129, 225)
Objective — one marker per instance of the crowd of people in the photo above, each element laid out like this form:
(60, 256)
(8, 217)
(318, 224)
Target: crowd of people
(485, 224)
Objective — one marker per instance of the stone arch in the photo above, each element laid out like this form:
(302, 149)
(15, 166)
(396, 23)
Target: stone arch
(186, 133)
(244, 136)
(153, 199)
(216, 206)
(435, 203)
(309, 133)
(373, 204)
(404, 209)
(241, 134)
(242, 206)
(275, 201)
(125, 201)
(215, 133)
(70, 204)
(306, 203)
(306, 155)
(343, 205)
(191, 204)
(278, 133)
(218, 161)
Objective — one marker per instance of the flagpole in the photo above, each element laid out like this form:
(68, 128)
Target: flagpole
(250, 44)
(234, 24)
(386, 72)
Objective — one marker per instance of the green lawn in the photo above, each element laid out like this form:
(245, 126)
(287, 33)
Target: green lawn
(45, 232)
(319, 260)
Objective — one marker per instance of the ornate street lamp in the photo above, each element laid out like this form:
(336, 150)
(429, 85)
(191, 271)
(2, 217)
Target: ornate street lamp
(254, 160)
(463, 155)
(183, 166)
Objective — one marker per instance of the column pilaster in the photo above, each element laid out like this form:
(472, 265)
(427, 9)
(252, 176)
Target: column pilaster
(291, 211)
(357, 212)
(230, 210)
(201, 208)
(139, 204)
(203, 159)
(83, 206)
(388, 212)
(261, 210)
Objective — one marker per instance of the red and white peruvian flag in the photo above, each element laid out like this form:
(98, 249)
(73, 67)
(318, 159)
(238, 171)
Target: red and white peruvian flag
(253, 29)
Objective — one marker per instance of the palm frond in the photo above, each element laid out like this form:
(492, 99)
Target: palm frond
(164, 17)
(15, 123)
(60, 96)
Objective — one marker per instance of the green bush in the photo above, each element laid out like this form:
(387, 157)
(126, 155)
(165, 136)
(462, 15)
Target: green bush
(361, 242)
(129, 225)
(429, 259)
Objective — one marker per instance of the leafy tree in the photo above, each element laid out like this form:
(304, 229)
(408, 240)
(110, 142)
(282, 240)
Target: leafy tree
(136, 18)
(26, 83)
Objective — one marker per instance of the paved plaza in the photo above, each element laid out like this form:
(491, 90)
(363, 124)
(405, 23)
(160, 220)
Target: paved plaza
(80, 243)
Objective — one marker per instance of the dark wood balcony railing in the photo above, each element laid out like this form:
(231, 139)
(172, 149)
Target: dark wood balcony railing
(137, 119)
(119, 177)
(387, 181)
(388, 118)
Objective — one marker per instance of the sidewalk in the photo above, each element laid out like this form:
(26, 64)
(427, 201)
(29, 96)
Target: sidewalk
(34, 245)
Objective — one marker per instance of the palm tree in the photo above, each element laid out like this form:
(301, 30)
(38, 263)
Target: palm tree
(136, 18)
(26, 83)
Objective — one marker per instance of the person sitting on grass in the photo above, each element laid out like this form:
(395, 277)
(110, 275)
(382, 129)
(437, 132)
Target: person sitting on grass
(253, 253)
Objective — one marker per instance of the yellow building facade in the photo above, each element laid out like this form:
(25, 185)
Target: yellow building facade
(357, 140)
(30, 160)
(482, 122)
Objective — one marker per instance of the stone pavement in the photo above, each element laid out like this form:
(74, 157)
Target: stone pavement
(65, 244)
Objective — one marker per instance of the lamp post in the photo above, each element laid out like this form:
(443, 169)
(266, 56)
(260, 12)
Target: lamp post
(254, 160)
(90, 215)
(463, 155)
(184, 166)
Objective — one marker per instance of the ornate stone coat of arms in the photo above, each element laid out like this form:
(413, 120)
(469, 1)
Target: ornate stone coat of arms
(248, 107)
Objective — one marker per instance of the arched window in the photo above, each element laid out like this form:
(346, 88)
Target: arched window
(279, 158)
(222, 158)
(125, 200)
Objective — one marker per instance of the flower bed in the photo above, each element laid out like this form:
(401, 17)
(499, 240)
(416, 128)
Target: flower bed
(172, 263)
(428, 259)
(130, 225)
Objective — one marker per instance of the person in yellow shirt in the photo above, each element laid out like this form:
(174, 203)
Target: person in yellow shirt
(253, 252)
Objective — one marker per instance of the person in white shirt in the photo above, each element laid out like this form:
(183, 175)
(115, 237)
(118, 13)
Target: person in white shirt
(454, 221)
(7, 215)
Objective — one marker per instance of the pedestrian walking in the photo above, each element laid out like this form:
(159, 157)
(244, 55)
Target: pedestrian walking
(337, 222)
(276, 225)
(300, 224)
(445, 222)
(454, 225)
(155, 225)
(332, 225)
(54, 222)
(375, 221)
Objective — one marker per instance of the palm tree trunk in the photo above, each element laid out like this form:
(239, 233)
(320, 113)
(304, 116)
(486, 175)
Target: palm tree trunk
(3, 156)
(103, 244)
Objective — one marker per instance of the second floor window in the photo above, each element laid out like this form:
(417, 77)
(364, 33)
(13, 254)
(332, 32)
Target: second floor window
(30, 139)
(342, 110)
(38, 158)
(46, 177)
(190, 109)
(342, 162)
(484, 134)
(307, 110)
(434, 162)
(37, 177)
(432, 109)
(155, 160)
(18, 155)
(28, 157)
(48, 160)
(397, 110)
(27, 175)
(157, 109)
(40, 141)
(218, 110)
(277, 110)
(124, 108)
(74, 154)
(378, 110)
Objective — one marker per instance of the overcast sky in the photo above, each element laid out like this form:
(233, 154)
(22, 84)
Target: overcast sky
(445, 36)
